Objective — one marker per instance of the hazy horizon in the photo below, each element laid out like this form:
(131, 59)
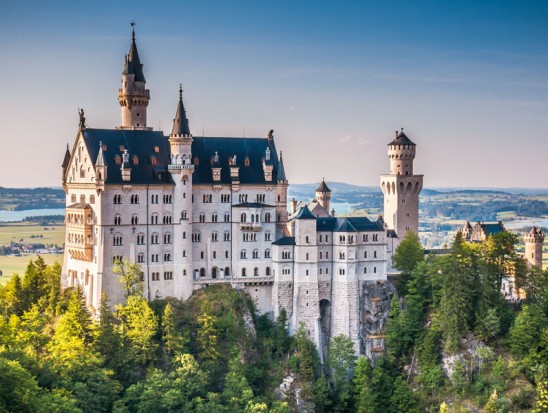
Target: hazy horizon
(467, 80)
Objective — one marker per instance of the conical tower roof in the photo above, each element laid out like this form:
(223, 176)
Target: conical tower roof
(323, 187)
(402, 139)
(180, 123)
(280, 176)
(67, 158)
(133, 64)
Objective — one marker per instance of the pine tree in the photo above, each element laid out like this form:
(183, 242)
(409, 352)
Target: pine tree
(406, 257)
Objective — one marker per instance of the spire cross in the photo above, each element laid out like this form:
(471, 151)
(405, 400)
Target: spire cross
(132, 24)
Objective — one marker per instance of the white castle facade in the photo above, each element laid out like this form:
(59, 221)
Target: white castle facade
(198, 211)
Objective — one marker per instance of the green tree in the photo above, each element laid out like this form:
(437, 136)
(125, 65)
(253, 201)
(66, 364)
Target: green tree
(174, 341)
(130, 276)
(401, 399)
(342, 361)
(526, 332)
(207, 335)
(455, 306)
(138, 327)
(406, 257)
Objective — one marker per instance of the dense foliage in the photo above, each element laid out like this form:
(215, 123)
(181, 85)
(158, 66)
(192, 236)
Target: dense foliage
(453, 343)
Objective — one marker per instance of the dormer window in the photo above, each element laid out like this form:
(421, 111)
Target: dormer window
(196, 160)
(153, 160)
(246, 162)
(104, 147)
(117, 160)
(156, 149)
(122, 148)
(135, 160)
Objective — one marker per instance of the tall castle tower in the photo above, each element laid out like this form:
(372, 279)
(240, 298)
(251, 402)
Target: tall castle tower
(181, 169)
(323, 195)
(533, 246)
(401, 188)
(133, 96)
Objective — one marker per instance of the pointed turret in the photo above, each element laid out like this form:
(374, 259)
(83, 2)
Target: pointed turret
(133, 64)
(323, 195)
(100, 157)
(66, 160)
(100, 168)
(180, 123)
(133, 96)
(280, 177)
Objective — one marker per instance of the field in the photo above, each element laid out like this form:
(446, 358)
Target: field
(23, 232)
(28, 233)
(17, 265)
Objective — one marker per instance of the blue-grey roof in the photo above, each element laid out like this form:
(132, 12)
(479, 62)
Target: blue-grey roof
(250, 149)
(353, 224)
(346, 226)
(304, 213)
(285, 241)
(402, 139)
(140, 143)
(492, 228)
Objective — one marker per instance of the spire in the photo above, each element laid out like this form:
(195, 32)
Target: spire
(100, 157)
(67, 158)
(281, 172)
(133, 64)
(180, 123)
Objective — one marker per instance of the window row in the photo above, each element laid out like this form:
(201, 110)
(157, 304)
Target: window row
(255, 254)
(267, 272)
(82, 199)
(168, 275)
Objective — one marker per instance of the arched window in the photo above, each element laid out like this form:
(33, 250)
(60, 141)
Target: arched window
(243, 217)
(202, 272)
(256, 272)
(243, 272)
(243, 254)
(227, 272)
(267, 253)
(267, 217)
(134, 219)
(183, 215)
(267, 271)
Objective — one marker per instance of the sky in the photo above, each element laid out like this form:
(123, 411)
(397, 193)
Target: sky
(467, 80)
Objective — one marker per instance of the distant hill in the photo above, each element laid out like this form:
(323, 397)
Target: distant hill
(20, 199)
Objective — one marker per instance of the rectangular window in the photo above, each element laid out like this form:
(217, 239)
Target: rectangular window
(73, 198)
(92, 199)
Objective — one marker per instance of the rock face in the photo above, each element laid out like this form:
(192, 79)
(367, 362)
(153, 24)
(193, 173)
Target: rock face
(374, 308)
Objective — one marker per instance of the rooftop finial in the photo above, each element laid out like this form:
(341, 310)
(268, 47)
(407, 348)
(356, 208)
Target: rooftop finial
(132, 24)
(180, 91)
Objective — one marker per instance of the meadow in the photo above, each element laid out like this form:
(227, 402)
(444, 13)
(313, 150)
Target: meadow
(28, 233)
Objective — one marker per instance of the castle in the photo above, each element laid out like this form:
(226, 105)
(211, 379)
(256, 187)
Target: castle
(197, 211)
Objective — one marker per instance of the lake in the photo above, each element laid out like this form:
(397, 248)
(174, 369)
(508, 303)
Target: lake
(14, 216)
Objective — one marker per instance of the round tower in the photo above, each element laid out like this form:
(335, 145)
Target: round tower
(533, 246)
(401, 188)
(401, 152)
(323, 196)
(133, 96)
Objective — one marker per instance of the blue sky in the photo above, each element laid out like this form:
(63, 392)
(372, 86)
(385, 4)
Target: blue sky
(468, 80)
